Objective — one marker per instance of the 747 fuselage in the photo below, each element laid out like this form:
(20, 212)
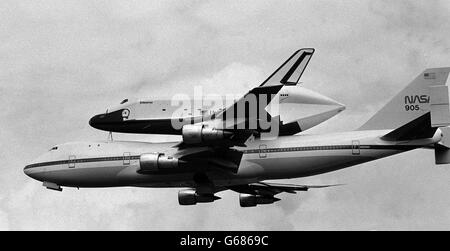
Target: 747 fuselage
(108, 164)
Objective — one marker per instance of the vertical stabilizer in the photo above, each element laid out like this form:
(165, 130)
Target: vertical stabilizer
(290, 72)
(427, 93)
(439, 106)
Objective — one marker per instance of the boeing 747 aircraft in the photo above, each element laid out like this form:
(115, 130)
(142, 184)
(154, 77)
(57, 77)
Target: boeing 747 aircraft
(415, 118)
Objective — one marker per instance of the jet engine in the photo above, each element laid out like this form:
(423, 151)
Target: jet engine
(250, 200)
(190, 197)
(153, 162)
(195, 134)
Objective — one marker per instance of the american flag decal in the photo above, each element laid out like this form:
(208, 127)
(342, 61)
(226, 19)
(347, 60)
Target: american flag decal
(430, 75)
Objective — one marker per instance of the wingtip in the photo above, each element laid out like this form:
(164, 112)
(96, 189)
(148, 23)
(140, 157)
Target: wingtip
(324, 186)
(337, 185)
(307, 50)
(310, 50)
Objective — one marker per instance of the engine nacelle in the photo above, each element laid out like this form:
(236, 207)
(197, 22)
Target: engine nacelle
(250, 200)
(187, 197)
(154, 162)
(195, 134)
(190, 197)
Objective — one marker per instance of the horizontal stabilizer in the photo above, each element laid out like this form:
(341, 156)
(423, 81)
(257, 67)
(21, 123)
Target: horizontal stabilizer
(441, 154)
(442, 149)
(419, 128)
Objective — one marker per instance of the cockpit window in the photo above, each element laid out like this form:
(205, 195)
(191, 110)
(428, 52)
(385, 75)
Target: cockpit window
(54, 148)
(124, 101)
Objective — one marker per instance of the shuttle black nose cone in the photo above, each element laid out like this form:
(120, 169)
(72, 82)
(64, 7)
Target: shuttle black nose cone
(96, 121)
(109, 121)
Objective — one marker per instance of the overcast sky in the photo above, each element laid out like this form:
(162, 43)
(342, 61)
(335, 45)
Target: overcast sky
(61, 62)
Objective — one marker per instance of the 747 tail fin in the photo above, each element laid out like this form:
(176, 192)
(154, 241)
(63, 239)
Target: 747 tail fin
(418, 112)
(425, 94)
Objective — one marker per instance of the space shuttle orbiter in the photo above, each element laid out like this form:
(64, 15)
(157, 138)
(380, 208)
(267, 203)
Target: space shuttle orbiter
(297, 109)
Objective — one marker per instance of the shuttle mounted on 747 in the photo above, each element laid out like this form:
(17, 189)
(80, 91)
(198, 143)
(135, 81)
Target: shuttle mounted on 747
(225, 149)
(297, 108)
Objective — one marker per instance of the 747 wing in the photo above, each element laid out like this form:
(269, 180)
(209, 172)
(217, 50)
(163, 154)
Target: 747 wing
(263, 193)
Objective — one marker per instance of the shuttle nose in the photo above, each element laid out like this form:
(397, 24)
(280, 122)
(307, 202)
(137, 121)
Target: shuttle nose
(109, 121)
(96, 121)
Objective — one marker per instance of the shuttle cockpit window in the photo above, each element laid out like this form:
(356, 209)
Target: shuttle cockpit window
(54, 148)
(124, 101)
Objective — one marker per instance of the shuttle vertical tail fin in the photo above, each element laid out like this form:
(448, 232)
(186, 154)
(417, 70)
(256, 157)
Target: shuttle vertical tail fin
(290, 72)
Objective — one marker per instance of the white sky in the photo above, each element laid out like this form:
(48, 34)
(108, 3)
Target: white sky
(63, 61)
